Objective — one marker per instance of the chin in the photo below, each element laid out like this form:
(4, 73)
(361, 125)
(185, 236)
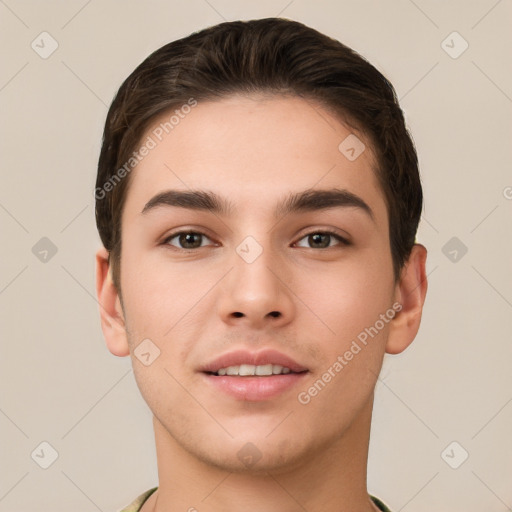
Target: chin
(253, 461)
(256, 455)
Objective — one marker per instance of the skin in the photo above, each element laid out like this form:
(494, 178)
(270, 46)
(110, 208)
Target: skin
(254, 150)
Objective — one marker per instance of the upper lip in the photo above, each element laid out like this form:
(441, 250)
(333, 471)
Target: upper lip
(238, 357)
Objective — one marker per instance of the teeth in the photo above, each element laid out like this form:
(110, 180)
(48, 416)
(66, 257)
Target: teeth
(245, 370)
(264, 369)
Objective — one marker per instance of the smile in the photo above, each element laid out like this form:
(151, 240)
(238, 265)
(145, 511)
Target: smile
(245, 370)
(253, 376)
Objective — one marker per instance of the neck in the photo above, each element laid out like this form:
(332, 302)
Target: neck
(333, 479)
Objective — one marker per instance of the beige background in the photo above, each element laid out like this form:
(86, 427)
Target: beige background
(59, 383)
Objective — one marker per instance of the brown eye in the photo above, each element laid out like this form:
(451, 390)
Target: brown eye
(323, 239)
(186, 239)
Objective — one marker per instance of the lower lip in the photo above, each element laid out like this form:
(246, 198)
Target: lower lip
(255, 389)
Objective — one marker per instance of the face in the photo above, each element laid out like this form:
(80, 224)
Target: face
(256, 285)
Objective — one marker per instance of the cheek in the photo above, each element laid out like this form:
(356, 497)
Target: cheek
(162, 302)
(353, 306)
(345, 298)
(154, 293)
(351, 349)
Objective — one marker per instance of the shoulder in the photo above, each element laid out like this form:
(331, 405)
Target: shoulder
(140, 500)
(379, 504)
(136, 505)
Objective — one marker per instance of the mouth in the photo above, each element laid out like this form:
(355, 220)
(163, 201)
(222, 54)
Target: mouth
(254, 376)
(250, 370)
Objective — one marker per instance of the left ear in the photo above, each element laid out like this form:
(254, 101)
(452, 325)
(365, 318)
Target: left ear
(410, 293)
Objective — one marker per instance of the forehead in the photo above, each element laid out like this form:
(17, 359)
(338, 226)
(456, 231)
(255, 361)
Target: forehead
(254, 150)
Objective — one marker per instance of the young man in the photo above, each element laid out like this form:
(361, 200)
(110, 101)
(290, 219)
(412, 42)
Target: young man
(258, 197)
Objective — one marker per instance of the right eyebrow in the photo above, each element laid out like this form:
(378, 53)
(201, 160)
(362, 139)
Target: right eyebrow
(193, 200)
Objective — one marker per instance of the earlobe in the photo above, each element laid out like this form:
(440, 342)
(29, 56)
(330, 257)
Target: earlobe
(410, 293)
(111, 313)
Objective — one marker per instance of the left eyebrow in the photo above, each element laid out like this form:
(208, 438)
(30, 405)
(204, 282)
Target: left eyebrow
(307, 200)
(315, 199)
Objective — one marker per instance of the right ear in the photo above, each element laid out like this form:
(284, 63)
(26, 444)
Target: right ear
(111, 312)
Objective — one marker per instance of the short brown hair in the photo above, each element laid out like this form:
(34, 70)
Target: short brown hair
(271, 55)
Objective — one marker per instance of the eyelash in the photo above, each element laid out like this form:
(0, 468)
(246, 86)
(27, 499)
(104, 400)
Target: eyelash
(343, 241)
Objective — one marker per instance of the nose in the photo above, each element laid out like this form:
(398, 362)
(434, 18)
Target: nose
(256, 292)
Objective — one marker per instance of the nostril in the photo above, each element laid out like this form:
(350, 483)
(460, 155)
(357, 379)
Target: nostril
(238, 314)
